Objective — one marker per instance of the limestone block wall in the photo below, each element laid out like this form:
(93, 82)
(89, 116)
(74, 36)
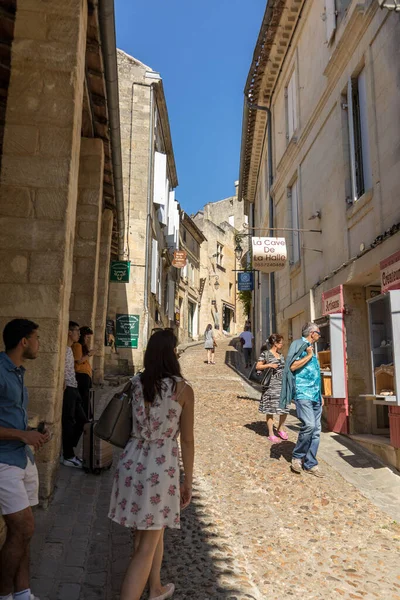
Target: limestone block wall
(87, 233)
(135, 136)
(38, 194)
(102, 295)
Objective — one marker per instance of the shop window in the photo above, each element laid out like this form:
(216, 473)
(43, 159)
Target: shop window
(291, 107)
(293, 213)
(381, 345)
(220, 254)
(359, 159)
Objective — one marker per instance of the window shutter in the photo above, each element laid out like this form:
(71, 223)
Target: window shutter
(292, 106)
(176, 226)
(366, 159)
(330, 19)
(160, 278)
(171, 299)
(350, 112)
(295, 223)
(171, 212)
(160, 174)
(154, 266)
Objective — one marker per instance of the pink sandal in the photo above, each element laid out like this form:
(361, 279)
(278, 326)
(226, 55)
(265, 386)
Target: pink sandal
(273, 439)
(283, 435)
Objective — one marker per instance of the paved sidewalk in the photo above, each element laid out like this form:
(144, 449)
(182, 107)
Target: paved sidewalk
(254, 529)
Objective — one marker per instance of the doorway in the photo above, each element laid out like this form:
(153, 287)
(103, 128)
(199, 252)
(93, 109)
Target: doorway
(191, 316)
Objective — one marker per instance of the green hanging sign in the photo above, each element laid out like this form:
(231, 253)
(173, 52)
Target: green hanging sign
(127, 331)
(120, 270)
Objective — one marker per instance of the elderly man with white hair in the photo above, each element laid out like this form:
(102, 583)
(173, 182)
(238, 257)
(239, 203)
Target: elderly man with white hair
(302, 383)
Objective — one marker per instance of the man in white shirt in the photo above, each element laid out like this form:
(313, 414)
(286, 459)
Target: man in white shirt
(246, 338)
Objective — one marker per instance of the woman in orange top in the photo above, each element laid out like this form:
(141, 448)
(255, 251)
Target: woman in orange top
(83, 368)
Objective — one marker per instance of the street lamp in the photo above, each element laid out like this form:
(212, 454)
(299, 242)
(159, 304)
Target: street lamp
(390, 4)
(216, 283)
(238, 250)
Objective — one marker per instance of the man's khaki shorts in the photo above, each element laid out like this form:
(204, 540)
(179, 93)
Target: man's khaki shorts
(18, 488)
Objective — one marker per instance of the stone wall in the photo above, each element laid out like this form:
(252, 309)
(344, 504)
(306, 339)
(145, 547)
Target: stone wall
(38, 194)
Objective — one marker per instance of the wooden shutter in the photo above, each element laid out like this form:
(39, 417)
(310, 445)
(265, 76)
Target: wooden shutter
(350, 113)
(171, 212)
(154, 266)
(171, 299)
(330, 19)
(338, 358)
(160, 175)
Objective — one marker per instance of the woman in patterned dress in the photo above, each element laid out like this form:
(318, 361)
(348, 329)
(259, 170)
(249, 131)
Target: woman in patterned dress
(269, 403)
(147, 495)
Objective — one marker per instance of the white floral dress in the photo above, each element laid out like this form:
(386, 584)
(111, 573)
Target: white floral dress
(146, 492)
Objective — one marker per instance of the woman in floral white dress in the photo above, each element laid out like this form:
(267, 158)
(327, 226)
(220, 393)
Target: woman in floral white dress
(147, 495)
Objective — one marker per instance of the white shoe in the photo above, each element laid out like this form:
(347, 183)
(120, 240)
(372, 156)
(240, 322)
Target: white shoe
(170, 590)
(72, 462)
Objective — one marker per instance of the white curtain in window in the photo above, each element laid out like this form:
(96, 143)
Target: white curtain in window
(366, 158)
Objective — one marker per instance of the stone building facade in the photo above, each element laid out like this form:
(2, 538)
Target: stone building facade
(220, 222)
(152, 215)
(321, 148)
(191, 286)
(59, 197)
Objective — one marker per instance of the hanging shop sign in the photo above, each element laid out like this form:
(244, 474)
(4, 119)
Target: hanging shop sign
(390, 272)
(180, 259)
(245, 282)
(332, 301)
(119, 271)
(269, 254)
(127, 331)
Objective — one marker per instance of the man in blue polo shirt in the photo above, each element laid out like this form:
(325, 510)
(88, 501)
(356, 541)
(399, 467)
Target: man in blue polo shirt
(18, 473)
(308, 400)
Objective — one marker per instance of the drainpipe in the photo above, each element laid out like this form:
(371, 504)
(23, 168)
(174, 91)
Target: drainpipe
(108, 46)
(148, 220)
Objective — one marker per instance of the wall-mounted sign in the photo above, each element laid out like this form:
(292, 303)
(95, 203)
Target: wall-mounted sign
(332, 301)
(119, 271)
(245, 282)
(269, 254)
(390, 272)
(127, 331)
(180, 259)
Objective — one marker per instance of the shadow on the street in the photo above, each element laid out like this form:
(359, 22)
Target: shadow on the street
(196, 558)
(283, 449)
(361, 458)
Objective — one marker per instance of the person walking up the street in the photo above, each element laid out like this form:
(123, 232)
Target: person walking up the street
(83, 369)
(73, 414)
(272, 358)
(146, 494)
(19, 480)
(302, 382)
(246, 338)
(210, 344)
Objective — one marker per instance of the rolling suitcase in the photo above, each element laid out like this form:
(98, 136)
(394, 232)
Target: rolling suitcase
(97, 454)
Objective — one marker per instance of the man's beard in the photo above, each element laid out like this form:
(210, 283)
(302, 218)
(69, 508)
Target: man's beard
(29, 354)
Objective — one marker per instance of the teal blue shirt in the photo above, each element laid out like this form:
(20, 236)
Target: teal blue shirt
(13, 412)
(308, 380)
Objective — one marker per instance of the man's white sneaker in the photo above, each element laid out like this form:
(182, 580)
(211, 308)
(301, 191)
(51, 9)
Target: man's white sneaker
(314, 471)
(72, 462)
(296, 465)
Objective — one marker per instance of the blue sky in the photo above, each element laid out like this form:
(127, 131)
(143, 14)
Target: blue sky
(203, 51)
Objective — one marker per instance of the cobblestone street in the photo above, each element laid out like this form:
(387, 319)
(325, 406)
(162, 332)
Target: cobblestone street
(254, 529)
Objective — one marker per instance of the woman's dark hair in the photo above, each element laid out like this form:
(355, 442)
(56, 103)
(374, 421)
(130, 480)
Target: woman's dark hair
(209, 326)
(263, 348)
(16, 330)
(274, 338)
(84, 331)
(160, 362)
